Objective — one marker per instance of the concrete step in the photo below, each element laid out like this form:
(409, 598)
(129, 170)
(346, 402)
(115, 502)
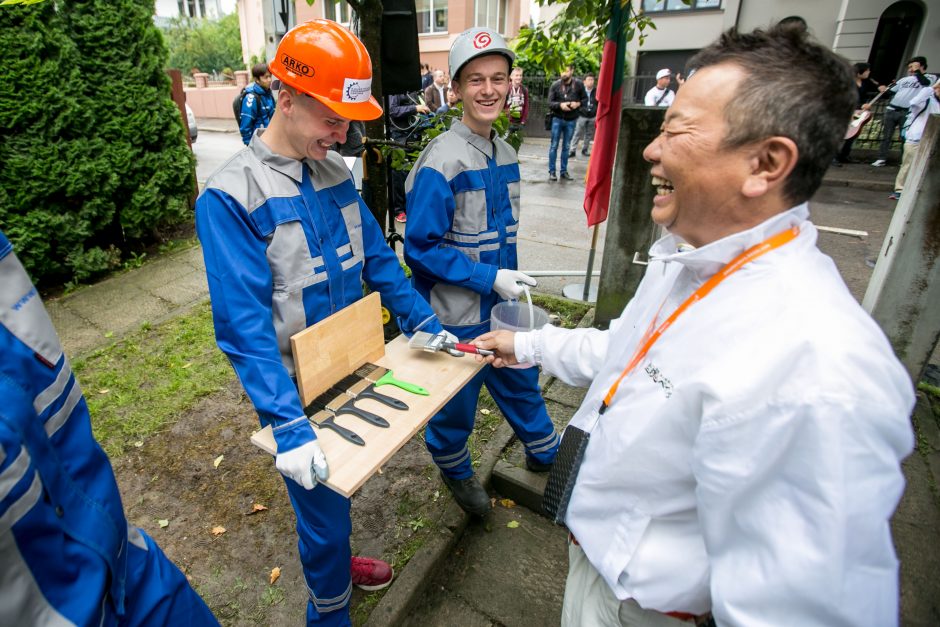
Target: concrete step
(520, 485)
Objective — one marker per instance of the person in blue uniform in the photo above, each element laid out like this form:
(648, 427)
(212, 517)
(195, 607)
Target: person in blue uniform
(258, 103)
(287, 242)
(463, 200)
(68, 555)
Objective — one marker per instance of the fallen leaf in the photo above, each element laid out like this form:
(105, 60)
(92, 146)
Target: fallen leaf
(109, 334)
(512, 524)
(139, 443)
(104, 391)
(218, 460)
(257, 507)
(275, 574)
(485, 412)
(187, 364)
(164, 523)
(507, 503)
(218, 530)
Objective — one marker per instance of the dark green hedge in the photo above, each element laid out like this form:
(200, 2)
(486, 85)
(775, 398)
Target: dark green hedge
(93, 156)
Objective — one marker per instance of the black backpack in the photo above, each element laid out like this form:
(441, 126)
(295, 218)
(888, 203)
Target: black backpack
(237, 105)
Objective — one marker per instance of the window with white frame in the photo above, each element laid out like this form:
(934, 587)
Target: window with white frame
(653, 6)
(491, 14)
(192, 8)
(432, 16)
(338, 11)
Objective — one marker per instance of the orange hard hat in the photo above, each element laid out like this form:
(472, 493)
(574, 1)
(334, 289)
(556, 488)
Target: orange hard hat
(327, 62)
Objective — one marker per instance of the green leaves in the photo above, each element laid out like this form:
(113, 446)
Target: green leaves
(405, 158)
(93, 157)
(211, 46)
(576, 36)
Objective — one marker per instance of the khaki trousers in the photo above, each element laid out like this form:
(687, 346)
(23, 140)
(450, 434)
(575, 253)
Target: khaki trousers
(910, 154)
(589, 601)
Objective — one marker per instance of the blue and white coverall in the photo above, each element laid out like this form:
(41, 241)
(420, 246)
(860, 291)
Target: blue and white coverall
(68, 556)
(286, 244)
(464, 192)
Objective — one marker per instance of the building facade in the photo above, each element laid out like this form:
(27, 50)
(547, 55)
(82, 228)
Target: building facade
(166, 10)
(439, 22)
(884, 33)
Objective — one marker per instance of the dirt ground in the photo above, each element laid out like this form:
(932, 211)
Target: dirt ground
(172, 478)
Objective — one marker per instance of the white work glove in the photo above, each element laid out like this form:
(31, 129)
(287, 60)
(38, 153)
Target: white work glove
(450, 337)
(508, 283)
(305, 464)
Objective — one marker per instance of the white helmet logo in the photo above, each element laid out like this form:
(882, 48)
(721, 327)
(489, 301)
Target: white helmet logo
(482, 40)
(357, 89)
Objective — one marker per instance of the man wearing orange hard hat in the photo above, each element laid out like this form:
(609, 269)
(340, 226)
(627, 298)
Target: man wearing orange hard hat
(287, 242)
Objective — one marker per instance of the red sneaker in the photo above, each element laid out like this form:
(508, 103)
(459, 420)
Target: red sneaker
(401, 217)
(371, 574)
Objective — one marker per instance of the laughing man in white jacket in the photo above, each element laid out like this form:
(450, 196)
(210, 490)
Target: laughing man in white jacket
(748, 465)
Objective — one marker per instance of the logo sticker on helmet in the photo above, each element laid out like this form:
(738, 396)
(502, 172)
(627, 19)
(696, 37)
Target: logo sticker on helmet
(295, 66)
(482, 40)
(357, 89)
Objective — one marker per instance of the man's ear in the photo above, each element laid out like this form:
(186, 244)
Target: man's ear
(772, 161)
(285, 100)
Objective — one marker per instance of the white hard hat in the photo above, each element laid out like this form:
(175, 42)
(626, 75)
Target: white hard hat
(476, 42)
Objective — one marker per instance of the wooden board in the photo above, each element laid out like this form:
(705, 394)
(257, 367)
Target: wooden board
(351, 465)
(329, 350)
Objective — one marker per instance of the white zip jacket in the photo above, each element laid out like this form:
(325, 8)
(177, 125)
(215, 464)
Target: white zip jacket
(750, 464)
(923, 105)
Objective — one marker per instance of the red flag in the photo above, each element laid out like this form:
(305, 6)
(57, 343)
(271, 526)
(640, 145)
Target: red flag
(609, 98)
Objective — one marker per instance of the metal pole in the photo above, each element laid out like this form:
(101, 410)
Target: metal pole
(558, 273)
(590, 268)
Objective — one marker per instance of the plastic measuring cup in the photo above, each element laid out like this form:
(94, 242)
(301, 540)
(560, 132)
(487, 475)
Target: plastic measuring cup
(513, 315)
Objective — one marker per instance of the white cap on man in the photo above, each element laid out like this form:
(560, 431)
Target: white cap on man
(662, 73)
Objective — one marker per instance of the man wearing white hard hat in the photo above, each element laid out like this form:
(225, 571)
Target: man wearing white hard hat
(660, 95)
(287, 242)
(463, 209)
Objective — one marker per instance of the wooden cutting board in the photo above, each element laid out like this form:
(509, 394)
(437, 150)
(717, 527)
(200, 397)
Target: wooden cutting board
(344, 342)
(329, 350)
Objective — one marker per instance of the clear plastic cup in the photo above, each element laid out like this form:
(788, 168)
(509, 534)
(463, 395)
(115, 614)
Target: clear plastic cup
(514, 315)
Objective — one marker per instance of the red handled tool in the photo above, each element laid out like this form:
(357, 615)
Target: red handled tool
(432, 342)
(465, 348)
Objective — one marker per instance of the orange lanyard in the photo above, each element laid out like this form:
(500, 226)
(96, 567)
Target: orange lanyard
(649, 338)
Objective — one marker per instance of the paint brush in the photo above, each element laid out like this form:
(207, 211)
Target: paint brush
(360, 388)
(339, 403)
(383, 376)
(324, 420)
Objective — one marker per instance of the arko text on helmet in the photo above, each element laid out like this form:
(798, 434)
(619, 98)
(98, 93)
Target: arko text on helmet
(297, 67)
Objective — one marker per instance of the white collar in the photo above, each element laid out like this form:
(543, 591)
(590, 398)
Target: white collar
(709, 259)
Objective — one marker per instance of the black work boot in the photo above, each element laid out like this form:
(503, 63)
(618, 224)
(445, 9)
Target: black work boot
(469, 494)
